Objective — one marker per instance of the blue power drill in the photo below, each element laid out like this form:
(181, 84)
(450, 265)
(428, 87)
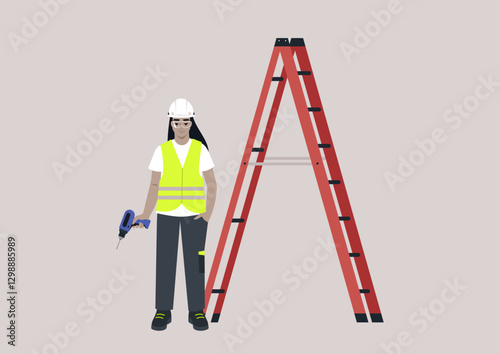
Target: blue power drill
(126, 224)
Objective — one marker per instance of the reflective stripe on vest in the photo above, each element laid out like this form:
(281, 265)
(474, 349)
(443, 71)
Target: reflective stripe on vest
(181, 185)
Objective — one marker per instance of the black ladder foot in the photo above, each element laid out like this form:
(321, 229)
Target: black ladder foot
(376, 317)
(361, 317)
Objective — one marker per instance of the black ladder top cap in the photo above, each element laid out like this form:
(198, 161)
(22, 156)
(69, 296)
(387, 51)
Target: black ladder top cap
(297, 42)
(281, 42)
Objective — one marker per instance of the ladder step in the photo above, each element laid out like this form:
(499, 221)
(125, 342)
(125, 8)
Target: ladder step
(364, 291)
(376, 317)
(218, 291)
(215, 317)
(324, 145)
(238, 220)
(314, 109)
(277, 78)
(334, 181)
(345, 218)
(257, 149)
(361, 317)
(304, 72)
(354, 255)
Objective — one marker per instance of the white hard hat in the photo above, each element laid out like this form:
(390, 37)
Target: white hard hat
(180, 108)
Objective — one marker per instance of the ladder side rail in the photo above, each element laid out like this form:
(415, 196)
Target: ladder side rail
(324, 186)
(340, 189)
(240, 177)
(250, 195)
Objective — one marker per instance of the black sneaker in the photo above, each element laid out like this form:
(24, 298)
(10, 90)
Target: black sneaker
(161, 320)
(198, 320)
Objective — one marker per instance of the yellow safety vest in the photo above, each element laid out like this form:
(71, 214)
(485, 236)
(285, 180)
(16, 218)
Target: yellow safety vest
(181, 185)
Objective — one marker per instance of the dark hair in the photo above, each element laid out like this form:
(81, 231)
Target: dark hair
(194, 132)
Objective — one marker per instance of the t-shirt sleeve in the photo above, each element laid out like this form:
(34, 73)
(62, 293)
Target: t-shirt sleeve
(156, 163)
(206, 162)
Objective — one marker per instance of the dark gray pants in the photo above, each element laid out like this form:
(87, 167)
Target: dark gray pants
(194, 233)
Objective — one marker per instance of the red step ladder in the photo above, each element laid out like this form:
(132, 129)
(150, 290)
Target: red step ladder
(326, 177)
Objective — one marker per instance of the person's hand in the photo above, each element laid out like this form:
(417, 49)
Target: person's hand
(204, 215)
(140, 217)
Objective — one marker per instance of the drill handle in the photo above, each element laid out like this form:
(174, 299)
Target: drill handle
(145, 222)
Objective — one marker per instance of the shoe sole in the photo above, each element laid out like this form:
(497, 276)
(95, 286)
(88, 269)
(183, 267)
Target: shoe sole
(198, 328)
(161, 328)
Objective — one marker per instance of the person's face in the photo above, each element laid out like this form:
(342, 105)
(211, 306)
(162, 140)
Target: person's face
(181, 126)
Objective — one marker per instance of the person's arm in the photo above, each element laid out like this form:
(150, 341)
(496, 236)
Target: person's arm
(211, 183)
(151, 198)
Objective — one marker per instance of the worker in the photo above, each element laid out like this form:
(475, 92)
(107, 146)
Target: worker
(178, 189)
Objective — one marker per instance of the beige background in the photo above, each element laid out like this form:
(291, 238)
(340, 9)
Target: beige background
(439, 224)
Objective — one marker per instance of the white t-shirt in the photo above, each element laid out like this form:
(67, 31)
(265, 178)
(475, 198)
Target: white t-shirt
(156, 164)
